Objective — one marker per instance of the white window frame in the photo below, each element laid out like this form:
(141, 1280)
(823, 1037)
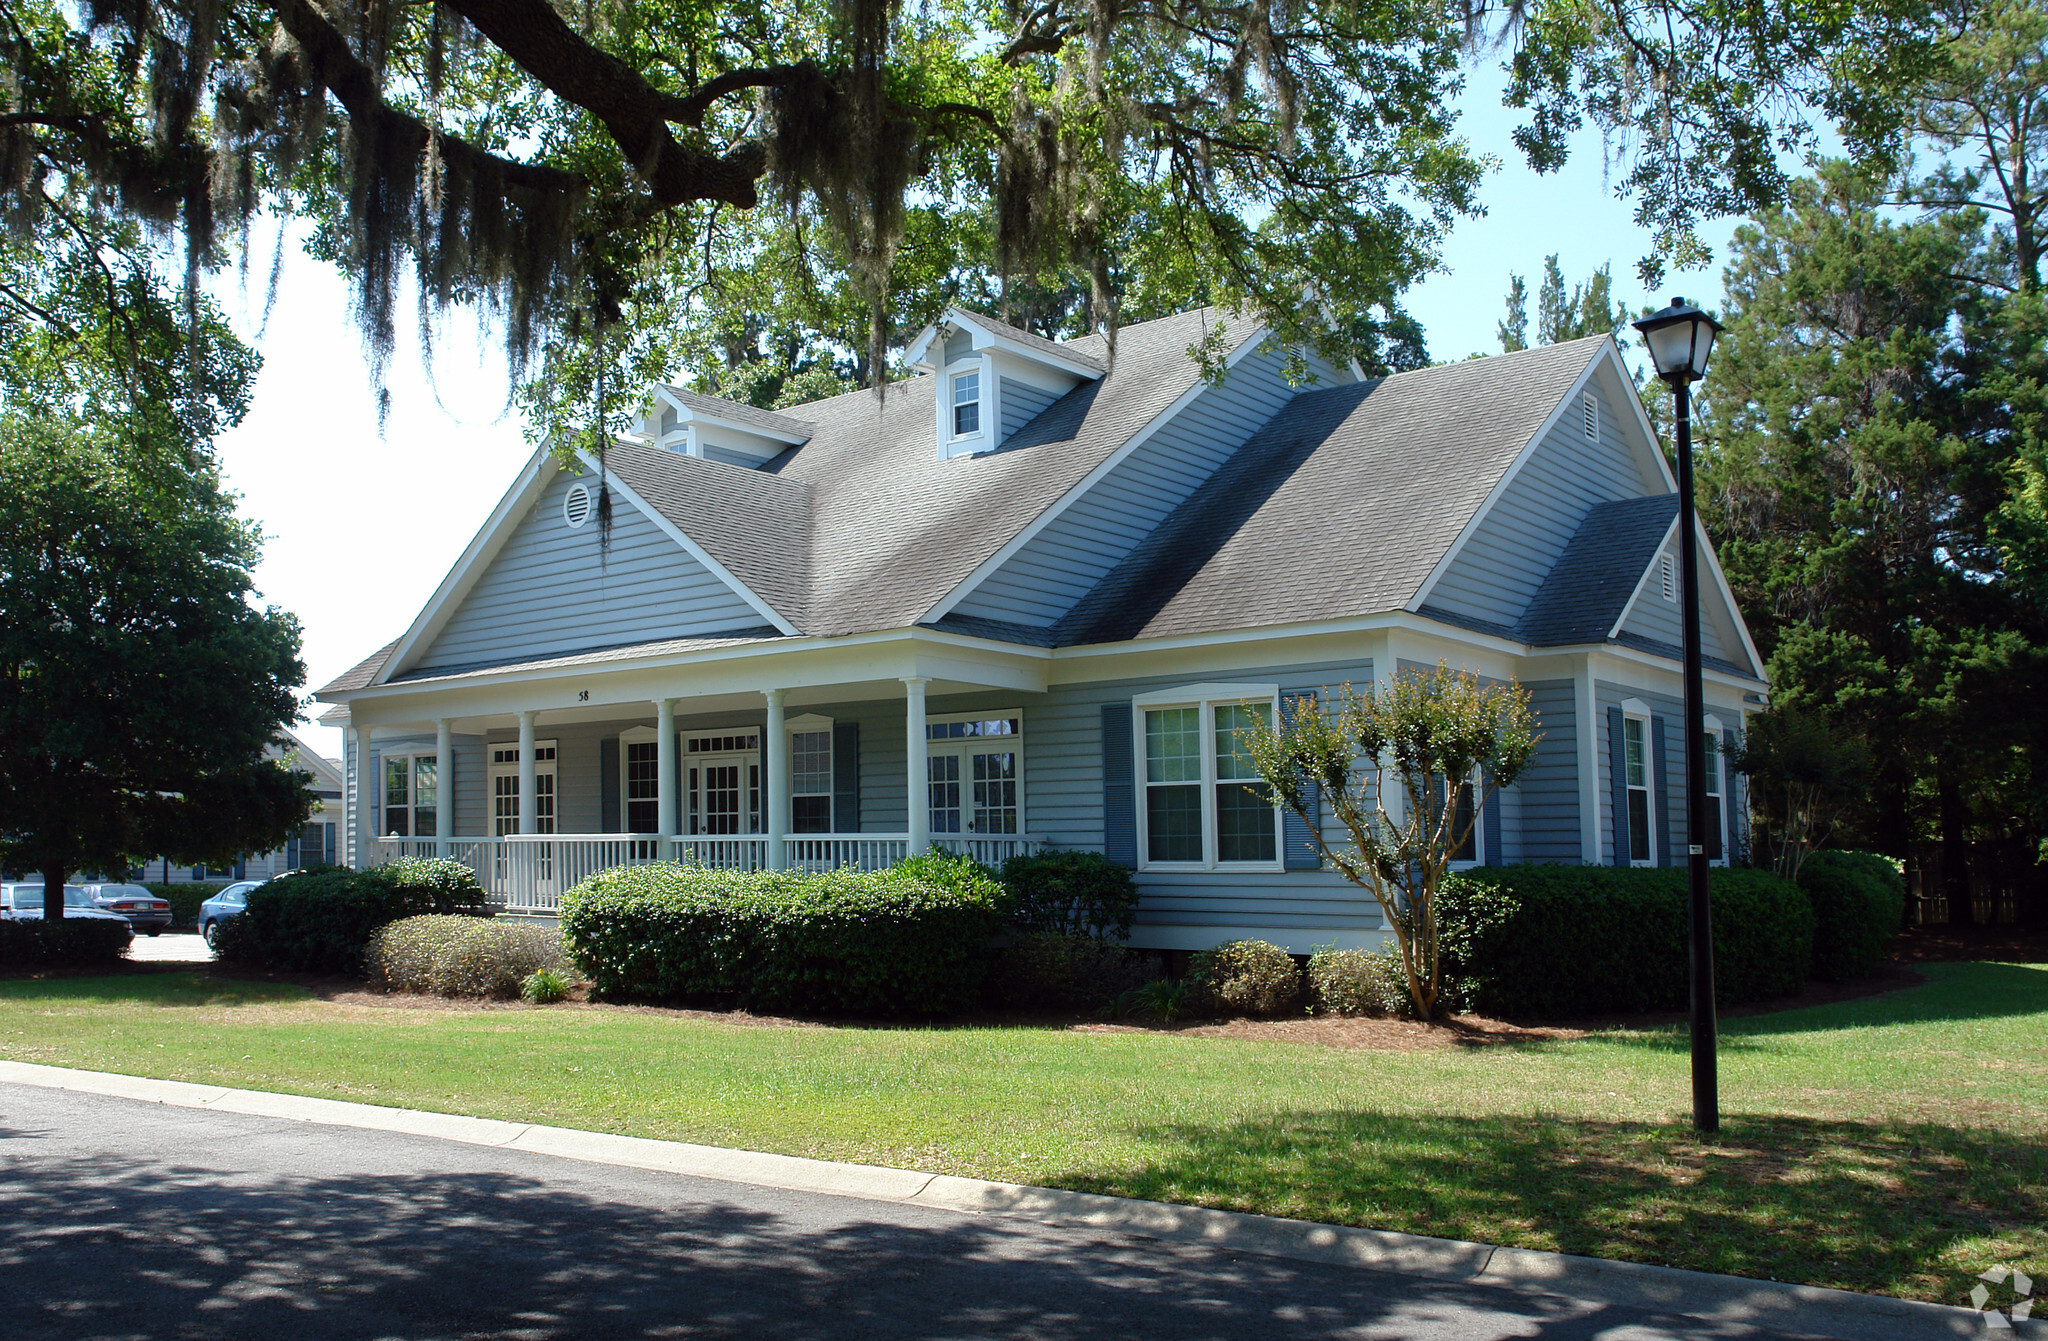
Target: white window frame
(637, 735)
(412, 784)
(1635, 710)
(504, 761)
(954, 404)
(810, 723)
(1206, 698)
(754, 819)
(1717, 775)
(963, 746)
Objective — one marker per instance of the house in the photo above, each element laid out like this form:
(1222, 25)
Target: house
(1036, 589)
(316, 844)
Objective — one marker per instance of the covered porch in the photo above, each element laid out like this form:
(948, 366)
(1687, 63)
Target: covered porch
(855, 772)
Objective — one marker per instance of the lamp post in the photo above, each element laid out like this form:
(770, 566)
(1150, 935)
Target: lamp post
(1681, 337)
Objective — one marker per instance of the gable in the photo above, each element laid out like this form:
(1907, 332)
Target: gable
(1066, 559)
(548, 590)
(1522, 535)
(1655, 621)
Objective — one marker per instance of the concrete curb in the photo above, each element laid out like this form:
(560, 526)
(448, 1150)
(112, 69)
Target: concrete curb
(1803, 1310)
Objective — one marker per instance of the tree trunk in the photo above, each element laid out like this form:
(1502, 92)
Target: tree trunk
(53, 892)
(1955, 853)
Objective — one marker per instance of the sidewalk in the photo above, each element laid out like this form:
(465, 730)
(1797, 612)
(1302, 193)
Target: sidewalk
(1789, 1309)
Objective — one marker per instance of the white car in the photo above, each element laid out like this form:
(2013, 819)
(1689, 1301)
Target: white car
(23, 900)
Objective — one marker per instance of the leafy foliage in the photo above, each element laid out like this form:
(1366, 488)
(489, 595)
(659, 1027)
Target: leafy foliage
(1245, 978)
(889, 942)
(323, 921)
(1859, 904)
(1386, 761)
(544, 987)
(1071, 892)
(449, 955)
(1589, 309)
(1556, 941)
(1051, 970)
(1358, 982)
(1804, 775)
(37, 942)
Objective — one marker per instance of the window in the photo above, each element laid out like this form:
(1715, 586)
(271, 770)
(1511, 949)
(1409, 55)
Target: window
(973, 773)
(642, 762)
(722, 783)
(1716, 824)
(810, 781)
(966, 403)
(1589, 408)
(1635, 762)
(1203, 803)
(410, 795)
(505, 788)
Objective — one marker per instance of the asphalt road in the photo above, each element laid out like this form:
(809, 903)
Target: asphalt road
(125, 1219)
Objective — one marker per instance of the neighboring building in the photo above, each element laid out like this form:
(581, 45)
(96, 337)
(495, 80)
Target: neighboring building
(1036, 590)
(317, 843)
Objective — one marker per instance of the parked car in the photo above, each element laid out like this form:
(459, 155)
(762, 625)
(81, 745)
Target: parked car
(24, 900)
(228, 903)
(145, 911)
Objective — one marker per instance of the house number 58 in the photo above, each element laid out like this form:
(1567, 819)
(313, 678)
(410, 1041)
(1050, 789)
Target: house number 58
(583, 696)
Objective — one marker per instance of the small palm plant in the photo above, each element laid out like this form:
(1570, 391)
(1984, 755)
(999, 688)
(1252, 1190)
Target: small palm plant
(1389, 762)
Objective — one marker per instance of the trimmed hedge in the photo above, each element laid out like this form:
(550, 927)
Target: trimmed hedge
(1859, 902)
(452, 955)
(1581, 940)
(320, 921)
(1044, 970)
(911, 940)
(1071, 893)
(32, 942)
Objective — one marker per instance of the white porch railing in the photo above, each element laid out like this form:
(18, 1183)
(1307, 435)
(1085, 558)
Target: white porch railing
(528, 873)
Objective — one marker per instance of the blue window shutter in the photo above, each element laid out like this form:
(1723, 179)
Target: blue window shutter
(1489, 828)
(1119, 797)
(1298, 850)
(1662, 781)
(328, 835)
(846, 777)
(1617, 779)
(608, 818)
(291, 854)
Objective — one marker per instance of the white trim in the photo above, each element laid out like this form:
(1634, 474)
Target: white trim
(988, 566)
(695, 550)
(1635, 710)
(535, 476)
(1500, 486)
(984, 334)
(813, 724)
(1586, 709)
(1205, 699)
(637, 735)
(578, 516)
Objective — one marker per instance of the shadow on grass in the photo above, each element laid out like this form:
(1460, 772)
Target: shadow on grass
(1967, 991)
(174, 986)
(1870, 1207)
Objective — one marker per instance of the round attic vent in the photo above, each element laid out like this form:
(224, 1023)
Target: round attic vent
(576, 505)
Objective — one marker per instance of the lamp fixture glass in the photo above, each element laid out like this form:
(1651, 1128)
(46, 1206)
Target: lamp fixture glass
(1681, 339)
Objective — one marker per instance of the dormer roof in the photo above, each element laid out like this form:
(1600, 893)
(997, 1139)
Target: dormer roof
(695, 407)
(926, 352)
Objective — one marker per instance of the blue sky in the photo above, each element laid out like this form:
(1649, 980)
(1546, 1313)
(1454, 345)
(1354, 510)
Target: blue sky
(361, 527)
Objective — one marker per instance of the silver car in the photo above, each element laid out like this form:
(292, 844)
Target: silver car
(23, 901)
(145, 911)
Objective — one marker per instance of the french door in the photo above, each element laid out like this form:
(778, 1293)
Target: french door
(724, 793)
(973, 791)
(504, 777)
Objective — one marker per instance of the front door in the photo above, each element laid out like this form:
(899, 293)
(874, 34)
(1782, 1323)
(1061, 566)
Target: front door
(539, 867)
(722, 781)
(973, 791)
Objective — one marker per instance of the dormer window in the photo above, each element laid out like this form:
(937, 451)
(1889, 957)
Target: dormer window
(966, 403)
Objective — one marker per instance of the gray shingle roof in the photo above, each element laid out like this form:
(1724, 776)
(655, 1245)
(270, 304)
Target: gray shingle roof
(1342, 504)
(737, 412)
(757, 524)
(363, 672)
(1585, 593)
(1070, 352)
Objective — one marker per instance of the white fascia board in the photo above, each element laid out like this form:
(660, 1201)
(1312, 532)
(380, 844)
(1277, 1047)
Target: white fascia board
(695, 550)
(917, 354)
(539, 470)
(1094, 477)
(686, 414)
(982, 338)
(1643, 579)
(1507, 477)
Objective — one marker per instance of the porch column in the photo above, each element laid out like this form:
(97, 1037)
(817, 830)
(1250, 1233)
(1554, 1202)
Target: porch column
(444, 784)
(777, 800)
(529, 794)
(917, 772)
(665, 761)
(363, 841)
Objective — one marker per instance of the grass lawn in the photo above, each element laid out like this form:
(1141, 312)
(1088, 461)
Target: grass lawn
(1897, 1144)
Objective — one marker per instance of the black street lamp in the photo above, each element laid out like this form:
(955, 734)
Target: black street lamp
(1681, 337)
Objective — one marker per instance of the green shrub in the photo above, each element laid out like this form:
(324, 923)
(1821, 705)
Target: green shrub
(894, 942)
(544, 987)
(30, 942)
(184, 899)
(1578, 940)
(1162, 999)
(1246, 978)
(452, 955)
(1071, 893)
(955, 871)
(1358, 982)
(1045, 970)
(1859, 901)
(320, 921)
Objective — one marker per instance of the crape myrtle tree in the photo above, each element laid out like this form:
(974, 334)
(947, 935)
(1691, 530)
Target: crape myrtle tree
(599, 175)
(139, 686)
(1389, 763)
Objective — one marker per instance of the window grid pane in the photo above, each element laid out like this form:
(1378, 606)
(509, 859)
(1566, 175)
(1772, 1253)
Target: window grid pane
(1632, 750)
(1173, 745)
(1233, 760)
(1173, 823)
(995, 793)
(1244, 823)
(810, 763)
(1638, 824)
(943, 773)
(966, 404)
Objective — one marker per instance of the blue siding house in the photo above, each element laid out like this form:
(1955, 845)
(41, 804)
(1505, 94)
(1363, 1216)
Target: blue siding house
(1024, 599)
